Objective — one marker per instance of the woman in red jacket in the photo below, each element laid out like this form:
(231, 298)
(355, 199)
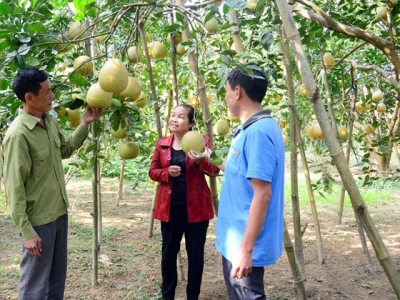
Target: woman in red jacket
(184, 204)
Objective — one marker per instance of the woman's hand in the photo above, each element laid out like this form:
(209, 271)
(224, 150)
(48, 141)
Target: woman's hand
(197, 159)
(174, 171)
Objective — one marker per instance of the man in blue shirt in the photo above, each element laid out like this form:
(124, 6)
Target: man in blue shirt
(250, 214)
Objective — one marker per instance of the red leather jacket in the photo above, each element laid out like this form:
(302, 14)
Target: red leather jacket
(199, 200)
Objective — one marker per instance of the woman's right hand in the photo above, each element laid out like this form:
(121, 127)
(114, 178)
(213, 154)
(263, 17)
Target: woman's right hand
(174, 171)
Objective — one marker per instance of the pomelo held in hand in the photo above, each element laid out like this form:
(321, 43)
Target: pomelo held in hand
(97, 98)
(128, 150)
(193, 140)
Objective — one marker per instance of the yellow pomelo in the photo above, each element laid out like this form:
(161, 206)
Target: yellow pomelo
(73, 124)
(278, 98)
(113, 76)
(74, 115)
(62, 66)
(251, 4)
(363, 106)
(142, 101)
(159, 50)
(329, 61)
(303, 91)
(221, 127)
(180, 50)
(61, 111)
(132, 91)
(192, 140)
(97, 98)
(86, 68)
(76, 30)
(177, 38)
(217, 3)
(318, 134)
(134, 54)
(211, 25)
(382, 13)
(194, 101)
(150, 48)
(121, 133)
(99, 39)
(233, 118)
(62, 44)
(368, 128)
(343, 133)
(381, 107)
(377, 96)
(310, 132)
(128, 150)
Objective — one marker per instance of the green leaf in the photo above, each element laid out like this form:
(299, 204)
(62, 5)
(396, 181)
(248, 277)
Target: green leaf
(78, 79)
(4, 84)
(4, 8)
(267, 39)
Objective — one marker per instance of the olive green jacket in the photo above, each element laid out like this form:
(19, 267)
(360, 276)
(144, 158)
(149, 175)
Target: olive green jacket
(33, 172)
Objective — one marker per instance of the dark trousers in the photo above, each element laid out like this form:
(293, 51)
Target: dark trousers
(195, 237)
(44, 277)
(247, 288)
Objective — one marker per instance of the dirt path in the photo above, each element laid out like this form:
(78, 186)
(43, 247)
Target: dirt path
(129, 265)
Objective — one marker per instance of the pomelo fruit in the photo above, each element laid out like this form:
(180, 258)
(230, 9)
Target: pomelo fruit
(192, 140)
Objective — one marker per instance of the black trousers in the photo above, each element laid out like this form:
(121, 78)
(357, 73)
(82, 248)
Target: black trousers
(195, 238)
(43, 278)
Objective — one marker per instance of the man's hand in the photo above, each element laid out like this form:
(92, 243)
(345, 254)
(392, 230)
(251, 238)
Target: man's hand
(242, 266)
(91, 114)
(34, 246)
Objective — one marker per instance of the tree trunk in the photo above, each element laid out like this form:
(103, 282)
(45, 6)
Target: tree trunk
(334, 147)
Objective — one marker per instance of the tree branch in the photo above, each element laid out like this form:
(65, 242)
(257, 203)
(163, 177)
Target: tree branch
(322, 18)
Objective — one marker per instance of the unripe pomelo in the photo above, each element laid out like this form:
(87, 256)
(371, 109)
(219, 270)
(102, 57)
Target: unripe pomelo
(74, 115)
(73, 124)
(211, 25)
(382, 13)
(134, 54)
(377, 96)
(329, 61)
(97, 98)
(251, 4)
(318, 131)
(303, 91)
(61, 111)
(113, 76)
(343, 133)
(368, 129)
(121, 133)
(193, 140)
(180, 50)
(233, 118)
(132, 91)
(76, 30)
(221, 127)
(159, 50)
(142, 101)
(177, 38)
(87, 66)
(381, 107)
(128, 150)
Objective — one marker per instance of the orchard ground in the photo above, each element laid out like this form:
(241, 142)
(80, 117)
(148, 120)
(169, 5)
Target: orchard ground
(129, 261)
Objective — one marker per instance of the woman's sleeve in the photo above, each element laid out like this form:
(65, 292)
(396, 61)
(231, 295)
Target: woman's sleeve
(157, 172)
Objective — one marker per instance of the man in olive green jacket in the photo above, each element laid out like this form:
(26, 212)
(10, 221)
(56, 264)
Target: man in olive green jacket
(33, 149)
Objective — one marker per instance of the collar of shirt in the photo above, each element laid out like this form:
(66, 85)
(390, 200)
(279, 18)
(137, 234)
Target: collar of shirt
(265, 113)
(29, 120)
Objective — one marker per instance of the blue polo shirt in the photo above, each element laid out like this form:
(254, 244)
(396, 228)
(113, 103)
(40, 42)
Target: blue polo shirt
(256, 152)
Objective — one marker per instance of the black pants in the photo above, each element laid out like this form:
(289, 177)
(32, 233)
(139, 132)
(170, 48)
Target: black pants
(195, 237)
(44, 277)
